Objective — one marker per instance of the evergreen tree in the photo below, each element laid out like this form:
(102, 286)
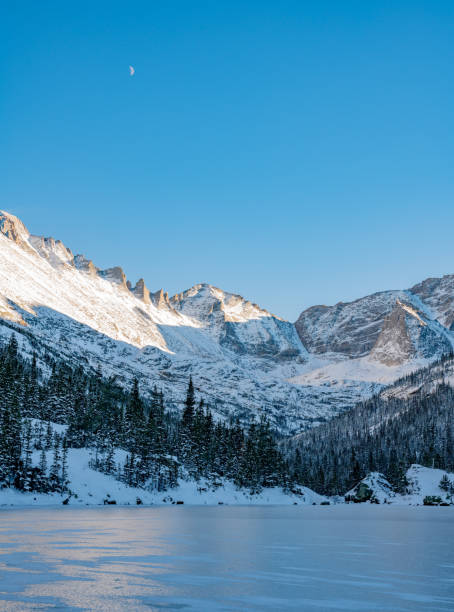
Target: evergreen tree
(28, 451)
(64, 465)
(55, 483)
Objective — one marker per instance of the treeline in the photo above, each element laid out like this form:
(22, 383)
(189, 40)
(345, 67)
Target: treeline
(430, 373)
(137, 440)
(380, 435)
(159, 447)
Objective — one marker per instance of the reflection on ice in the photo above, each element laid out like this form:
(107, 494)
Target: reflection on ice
(227, 558)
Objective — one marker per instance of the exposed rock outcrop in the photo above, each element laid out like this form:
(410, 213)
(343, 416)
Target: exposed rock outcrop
(393, 345)
(141, 291)
(239, 325)
(13, 229)
(114, 275)
(53, 250)
(85, 265)
(408, 333)
(161, 299)
(347, 328)
(438, 294)
(370, 325)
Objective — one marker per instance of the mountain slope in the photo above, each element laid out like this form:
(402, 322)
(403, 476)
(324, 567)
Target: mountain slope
(437, 294)
(244, 360)
(239, 354)
(411, 422)
(378, 338)
(239, 325)
(352, 329)
(39, 272)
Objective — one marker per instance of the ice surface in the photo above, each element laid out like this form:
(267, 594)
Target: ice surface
(346, 558)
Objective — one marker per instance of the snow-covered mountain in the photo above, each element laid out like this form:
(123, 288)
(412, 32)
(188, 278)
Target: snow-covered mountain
(239, 325)
(244, 360)
(423, 382)
(353, 329)
(239, 354)
(39, 272)
(380, 337)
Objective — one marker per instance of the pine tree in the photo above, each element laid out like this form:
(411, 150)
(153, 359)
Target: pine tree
(55, 469)
(49, 436)
(43, 484)
(444, 483)
(64, 465)
(188, 413)
(134, 419)
(28, 451)
(186, 433)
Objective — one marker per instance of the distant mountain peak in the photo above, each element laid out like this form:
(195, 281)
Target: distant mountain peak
(161, 300)
(52, 250)
(13, 228)
(115, 275)
(86, 265)
(141, 291)
(203, 300)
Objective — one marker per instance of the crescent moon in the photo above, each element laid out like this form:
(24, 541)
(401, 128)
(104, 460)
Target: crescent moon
(131, 70)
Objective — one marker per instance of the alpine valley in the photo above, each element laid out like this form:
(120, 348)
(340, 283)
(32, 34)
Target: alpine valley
(249, 366)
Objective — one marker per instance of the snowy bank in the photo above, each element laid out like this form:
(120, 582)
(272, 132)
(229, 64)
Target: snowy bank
(92, 488)
(422, 482)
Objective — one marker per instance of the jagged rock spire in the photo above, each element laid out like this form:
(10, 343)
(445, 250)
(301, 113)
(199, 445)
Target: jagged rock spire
(160, 299)
(141, 291)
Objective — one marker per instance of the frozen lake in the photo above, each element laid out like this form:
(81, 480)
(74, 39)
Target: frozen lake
(227, 558)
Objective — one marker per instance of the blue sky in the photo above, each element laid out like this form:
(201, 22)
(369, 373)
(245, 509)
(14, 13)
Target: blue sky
(297, 153)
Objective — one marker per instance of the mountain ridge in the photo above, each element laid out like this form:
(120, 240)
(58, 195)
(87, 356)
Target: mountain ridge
(248, 360)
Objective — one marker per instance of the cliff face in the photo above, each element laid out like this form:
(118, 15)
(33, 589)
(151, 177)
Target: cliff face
(391, 326)
(393, 345)
(438, 295)
(348, 328)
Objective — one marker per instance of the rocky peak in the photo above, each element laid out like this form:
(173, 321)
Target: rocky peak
(114, 275)
(408, 333)
(53, 250)
(203, 301)
(438, 294)
(85, 265)
(239, 325)
(197, 301)
(141, 291)
(348, 328)
(161, 299)
(13, 228)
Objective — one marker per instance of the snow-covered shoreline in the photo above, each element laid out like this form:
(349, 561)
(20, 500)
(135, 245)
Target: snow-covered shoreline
(91, 488)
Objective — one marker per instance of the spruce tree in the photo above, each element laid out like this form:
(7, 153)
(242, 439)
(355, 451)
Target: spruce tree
(55, 469)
